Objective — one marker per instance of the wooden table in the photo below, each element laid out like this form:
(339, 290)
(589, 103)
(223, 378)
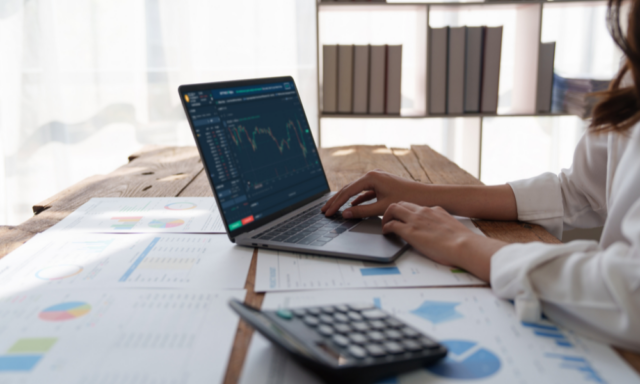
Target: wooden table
(177, 171)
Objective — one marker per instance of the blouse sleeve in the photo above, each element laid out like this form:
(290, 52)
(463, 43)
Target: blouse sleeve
(574, 198)
(580, 285)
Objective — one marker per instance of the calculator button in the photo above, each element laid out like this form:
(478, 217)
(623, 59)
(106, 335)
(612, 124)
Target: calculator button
(392, 334)
(325, 330)
(360, 326)
(394, 323)
(411, 345)
(409, 332)
(299, 312)
(355, 316)
(311, 321)
(360, 306)
(314, 311)
(342, 328)
(340, 318)
(341, 308)
(340, 340)
(375, 350)
(393, 347)
(357, 338)
(375, 336)
(326, 319)
(357, 352)
(284, 314)
(328, 309)
(374, 314)
(427, 342)
(377, 324)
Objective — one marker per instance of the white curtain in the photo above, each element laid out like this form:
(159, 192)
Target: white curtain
(83, 83)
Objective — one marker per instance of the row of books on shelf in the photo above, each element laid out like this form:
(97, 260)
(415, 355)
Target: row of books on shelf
(574, 96)
(464, 70)
(361, 79)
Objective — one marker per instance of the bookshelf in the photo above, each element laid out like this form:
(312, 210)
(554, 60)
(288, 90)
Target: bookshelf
(526, 31)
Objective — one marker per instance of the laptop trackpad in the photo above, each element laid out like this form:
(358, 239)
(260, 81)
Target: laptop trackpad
(371, 225)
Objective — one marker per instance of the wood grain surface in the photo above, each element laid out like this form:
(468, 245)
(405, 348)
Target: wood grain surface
(158, 171)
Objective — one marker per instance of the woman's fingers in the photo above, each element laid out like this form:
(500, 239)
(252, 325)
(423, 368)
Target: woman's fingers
(369, 195)
(362, 211)
(397, 211)
(362, 184)
(394, 226)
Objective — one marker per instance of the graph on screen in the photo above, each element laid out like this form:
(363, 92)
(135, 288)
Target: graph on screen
(238, 133)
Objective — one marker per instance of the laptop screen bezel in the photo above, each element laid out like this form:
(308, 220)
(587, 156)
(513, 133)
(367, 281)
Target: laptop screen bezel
(184, 89)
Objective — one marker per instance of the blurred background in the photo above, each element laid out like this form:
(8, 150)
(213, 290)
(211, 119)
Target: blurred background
(85, 83)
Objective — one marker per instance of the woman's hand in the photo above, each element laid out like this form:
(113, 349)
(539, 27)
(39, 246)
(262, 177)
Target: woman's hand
(384, 187)
(437, 235)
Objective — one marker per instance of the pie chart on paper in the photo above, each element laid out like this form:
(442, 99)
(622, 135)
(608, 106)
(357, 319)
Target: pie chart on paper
(166, 223)
(65, 311)
(466, 360)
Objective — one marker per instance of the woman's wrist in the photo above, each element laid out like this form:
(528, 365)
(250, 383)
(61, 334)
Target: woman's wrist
(473, 253)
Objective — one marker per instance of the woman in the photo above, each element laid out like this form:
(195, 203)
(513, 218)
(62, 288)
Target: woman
(589, 287)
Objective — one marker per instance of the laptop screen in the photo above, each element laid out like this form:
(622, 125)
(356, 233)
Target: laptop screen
(258, 149)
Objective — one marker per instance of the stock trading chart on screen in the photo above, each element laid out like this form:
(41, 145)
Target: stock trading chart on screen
(257, 147)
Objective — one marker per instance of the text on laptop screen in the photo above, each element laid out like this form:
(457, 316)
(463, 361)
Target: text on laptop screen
(258, 148)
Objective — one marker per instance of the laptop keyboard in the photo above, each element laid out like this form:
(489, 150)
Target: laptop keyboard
(310, 227)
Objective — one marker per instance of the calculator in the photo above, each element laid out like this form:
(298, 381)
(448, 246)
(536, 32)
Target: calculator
(346, 343)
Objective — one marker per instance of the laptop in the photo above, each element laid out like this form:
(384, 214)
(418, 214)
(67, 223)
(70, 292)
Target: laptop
(263, 166)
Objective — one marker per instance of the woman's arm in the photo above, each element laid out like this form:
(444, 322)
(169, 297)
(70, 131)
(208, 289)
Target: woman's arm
(485, 202)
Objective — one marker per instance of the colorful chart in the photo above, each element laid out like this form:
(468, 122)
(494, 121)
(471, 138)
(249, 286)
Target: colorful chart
(466, 360)
(58, 272)
(379, 271)
(550, 332)
(65, 311)
(180, 206)
(437, 312)
(125, 222)
(25, 354)
(166, 223)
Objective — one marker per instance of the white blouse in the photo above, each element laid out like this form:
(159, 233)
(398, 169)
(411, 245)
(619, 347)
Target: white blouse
(590, 287)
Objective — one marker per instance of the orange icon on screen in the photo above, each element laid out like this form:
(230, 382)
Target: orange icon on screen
(186, 97)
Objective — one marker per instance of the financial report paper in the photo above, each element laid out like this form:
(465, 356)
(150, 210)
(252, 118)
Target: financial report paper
(279, 271)
(144, 215)
(486, 341)
(77, 260)
(116, 336)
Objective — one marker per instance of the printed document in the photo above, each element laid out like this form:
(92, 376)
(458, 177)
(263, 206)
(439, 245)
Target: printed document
(116, 336)
(77, 260)
(485, 339)
(143, 215)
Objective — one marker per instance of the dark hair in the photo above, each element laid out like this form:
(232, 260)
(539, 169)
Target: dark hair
(619, 108)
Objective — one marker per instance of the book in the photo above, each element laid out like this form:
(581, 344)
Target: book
(345, 78)
(491, 70)
(377, 73)
(456, 63)
(573, 95)
(394, 80)
(361, 79)
(473, 69)
(438, 54)
(329, 78)
(546, 56)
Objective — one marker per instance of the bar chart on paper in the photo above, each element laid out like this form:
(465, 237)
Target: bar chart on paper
(486, 341)
(100, 336)
(285, 270)
(143, 215)
(74, 260)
